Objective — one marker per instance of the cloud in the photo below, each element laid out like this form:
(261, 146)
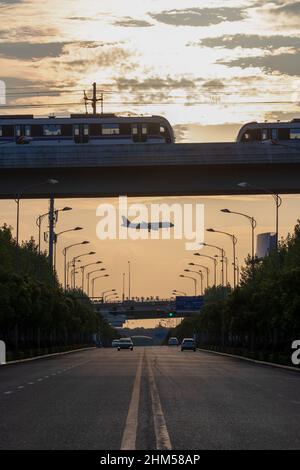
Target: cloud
(30, 51)
(27, 32)
(199, 16)
(213, 84)
(250, 41)
(289, 9)
(77, 58)
(155, 83)
(288, 64)
(129, 22)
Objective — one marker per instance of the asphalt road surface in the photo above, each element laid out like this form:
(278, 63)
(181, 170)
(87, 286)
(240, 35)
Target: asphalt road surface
(151, 398)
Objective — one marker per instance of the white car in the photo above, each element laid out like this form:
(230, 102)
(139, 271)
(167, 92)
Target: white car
(125, 343)
(115, 343)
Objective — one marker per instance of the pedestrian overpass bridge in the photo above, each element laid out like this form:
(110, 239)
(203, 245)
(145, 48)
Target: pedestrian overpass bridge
(85, 170)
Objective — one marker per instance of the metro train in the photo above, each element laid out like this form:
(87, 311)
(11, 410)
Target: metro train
(85, 128)
(270, 131)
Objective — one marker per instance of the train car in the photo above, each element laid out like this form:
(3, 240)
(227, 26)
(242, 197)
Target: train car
(106, 129)
(270, 131)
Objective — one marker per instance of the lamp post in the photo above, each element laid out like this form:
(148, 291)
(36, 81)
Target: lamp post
(93, 282)
(56, 235)
(215, 264)
(194, 280)
(113, 294)
(253, 223)
(82, 272)
(123, 292)
(234, 242)
(19, 196)
(105, 292)
(64, 252)
(221, 250)
(179, 292)
(224, 260)
(277, 200)
(206, 269)
(88, 278)
(200, 273)
(129, 280)
(80, 256)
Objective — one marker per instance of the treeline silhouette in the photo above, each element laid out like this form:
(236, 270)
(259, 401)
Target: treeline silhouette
(36, 315)
(261, 317)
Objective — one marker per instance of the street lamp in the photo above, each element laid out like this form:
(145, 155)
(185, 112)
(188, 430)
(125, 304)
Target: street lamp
(105, 292)
(277, 200)
(179, 292)
(206, 269)
(75, 229)
(19, 196)
(88, 278)
(195, 282)
(64, 252)
(82, 272)
(93, 282)
(253, 227)
(234, 242)
(222, 256)
(113, 294)
(80, 256)
(200, 273)
(215, 264)
(224, 260)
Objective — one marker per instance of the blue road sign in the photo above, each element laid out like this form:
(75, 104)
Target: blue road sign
(189, 303)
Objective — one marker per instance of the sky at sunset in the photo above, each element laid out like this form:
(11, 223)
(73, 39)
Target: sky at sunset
(208, 67)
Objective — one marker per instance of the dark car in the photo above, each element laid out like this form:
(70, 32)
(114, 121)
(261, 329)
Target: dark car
(188, 344)
(125, 343)
(173, 341)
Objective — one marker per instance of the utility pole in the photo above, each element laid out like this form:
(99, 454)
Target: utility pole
(94, 99)
(51, 230)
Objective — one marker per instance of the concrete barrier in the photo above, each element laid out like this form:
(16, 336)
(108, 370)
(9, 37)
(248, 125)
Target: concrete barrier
(2, 353)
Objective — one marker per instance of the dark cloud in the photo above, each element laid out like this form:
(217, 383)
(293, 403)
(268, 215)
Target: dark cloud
(129, 22)
(199, 16)
(213, 84)
(26, 32)
(100, 57)
(80, 18)
(288, 64)
(30, 51)
(250, 41)
(155, 83)
(289, 9)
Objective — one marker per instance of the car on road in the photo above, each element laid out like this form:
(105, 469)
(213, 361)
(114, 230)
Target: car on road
(115, 343)
(173, 341)
(188, 344)
(125, 343)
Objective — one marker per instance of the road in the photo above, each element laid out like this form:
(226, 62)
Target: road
(151, 398)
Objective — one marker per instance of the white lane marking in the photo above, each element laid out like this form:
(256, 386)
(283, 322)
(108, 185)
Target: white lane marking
(39, 380)
(130, 430)
(8, 392)
(163, 441)
(46, 376)
(30, 383)
(20, 387)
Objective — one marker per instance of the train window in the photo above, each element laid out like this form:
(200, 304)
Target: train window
(162, 130)
(76, 129)
(110, 129)
(52, 129)
(284, 133)
(144, 129)
(274, 134)
(246, 137)
(85, 129)
(36, 130)
(295, 133)
(134, 129)
(27, 131)
(153, 129)
(67, 130)
(18, 131)
(264, 134)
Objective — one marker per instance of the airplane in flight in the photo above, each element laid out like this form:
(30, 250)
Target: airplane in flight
(146, 225)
